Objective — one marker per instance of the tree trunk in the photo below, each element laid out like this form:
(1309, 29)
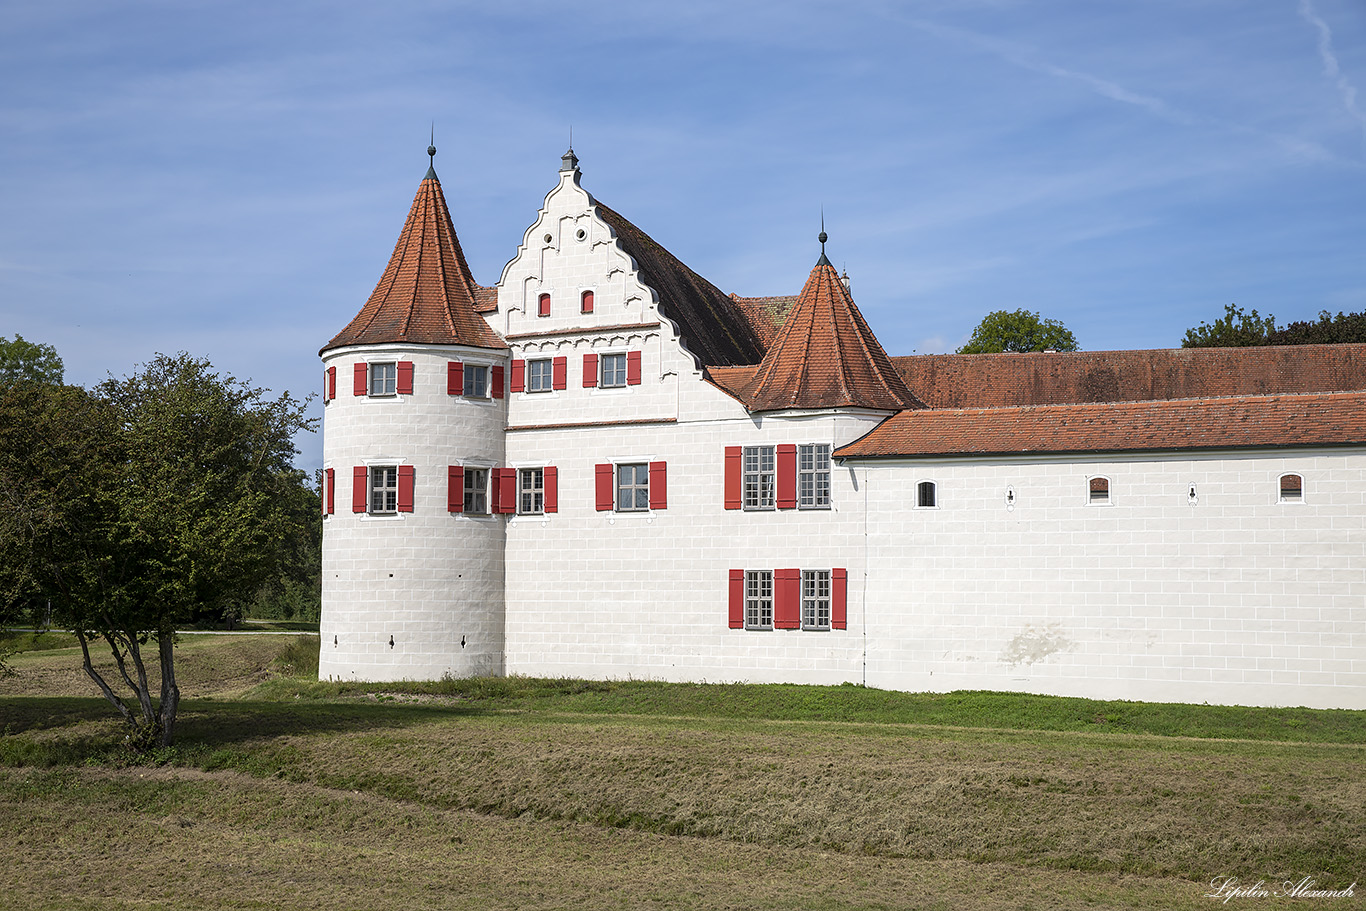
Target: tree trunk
(170, 690)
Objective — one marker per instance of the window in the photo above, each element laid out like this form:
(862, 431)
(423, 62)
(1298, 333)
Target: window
(1099, 491)
(925, 495)
(531, 491)
(476, 381)
(539, 375)
(813, 476)
(476, 502)
(543, 305)
(1292, 488)
(613, 370)
(384, 379)
(383, 491)
(633, 488)
(759, 471)
(815, 599)
(586, 302)
(759, 599)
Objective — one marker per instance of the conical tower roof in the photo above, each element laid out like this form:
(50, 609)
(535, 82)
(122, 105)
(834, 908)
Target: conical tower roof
(426, 295)
(825, 356)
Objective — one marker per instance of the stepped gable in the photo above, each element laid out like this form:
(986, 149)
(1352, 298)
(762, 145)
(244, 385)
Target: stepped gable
(1244, 422)
(712, 328)
(825, 356)
(427, 294)
(1043, 378)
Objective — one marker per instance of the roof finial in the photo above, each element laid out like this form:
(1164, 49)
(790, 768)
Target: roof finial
(569, 161)
(431, 155)
(823, 237)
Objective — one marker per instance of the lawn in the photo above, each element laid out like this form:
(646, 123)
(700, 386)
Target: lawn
(287, 793)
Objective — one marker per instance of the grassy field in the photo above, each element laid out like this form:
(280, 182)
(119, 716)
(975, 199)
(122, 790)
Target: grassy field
(283, 792)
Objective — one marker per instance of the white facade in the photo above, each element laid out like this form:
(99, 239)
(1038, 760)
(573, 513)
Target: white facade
(1192, 582)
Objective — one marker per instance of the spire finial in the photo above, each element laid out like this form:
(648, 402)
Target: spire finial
(431, 155)
(569, 161)
(822, 237)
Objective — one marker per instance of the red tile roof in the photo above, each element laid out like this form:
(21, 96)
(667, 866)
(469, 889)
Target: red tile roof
(986, 380)
(825, 356)
(1319, 419)
(426, 295)
(765, 314)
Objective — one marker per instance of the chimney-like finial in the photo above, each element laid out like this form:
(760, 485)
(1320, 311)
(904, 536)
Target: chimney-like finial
(431, 155)
(569, 161)
(822, 237)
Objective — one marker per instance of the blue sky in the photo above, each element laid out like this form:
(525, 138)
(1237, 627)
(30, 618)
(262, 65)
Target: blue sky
(229, 179)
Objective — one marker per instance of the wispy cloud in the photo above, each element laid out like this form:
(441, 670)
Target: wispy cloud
(1331, 68)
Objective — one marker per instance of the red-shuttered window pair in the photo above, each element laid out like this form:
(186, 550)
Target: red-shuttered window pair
(765, 477)
(631, 486)
(540, 374)
(809, 599)
(521, 491)
(382, 490)
(382, 378)
(475, 380)
(609, 371)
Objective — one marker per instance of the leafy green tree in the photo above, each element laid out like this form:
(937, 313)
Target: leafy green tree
(140, 505)
(1328, 330)
(1236, 329)
(1003, 330)
(23, 360)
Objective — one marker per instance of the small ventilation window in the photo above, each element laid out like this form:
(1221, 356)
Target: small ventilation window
(925, 495)
(543, 305)
(586, 302)
(1292, 488)
(1099, 490)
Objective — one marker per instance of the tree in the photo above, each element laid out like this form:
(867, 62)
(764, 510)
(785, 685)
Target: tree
(141, 504)
(1002, 330)
(22, 360)
(1236, 329)
(1329, 330)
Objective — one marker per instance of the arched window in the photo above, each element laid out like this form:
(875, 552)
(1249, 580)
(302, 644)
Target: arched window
(1099, 490)
(586, 302)
(543, 305)
(1292, 488)
(925, 495)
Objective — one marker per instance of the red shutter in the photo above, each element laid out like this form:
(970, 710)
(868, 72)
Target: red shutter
(360, 483)
(659, 485)
(322, 492)
(518, 376)
(560, 377)
(330, 505)
(733, 456)
(331, 383)
(506, 500)
(552, 489)
(737, 599)
(361, 386)
(405, 377)
(455, 488)
(633, 368)
(787, 598)
(543, 305)
(590, 370)
(839, 598)
(497, 382)
(787, 476)
(602, 486)
(405, 488)
(586, 302)
(455, 378)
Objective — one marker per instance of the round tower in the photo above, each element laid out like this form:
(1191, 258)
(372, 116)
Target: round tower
(412, 566)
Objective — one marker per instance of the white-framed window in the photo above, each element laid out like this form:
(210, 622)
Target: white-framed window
(758, 476)
(476, 501)
(815, 599)
(384, 378)
(540, 375)
(383, 490)
(813, 476)
(1098, 491)
(633, 487)
(759, 599)
(476, 381)
(612, 368)
(926, 495)
(1291, 488)
(530, 491)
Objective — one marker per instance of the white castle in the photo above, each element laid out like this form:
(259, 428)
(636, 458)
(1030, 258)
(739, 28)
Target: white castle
(605, 467)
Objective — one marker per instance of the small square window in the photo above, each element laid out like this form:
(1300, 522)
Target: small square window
(813, 476)
(476, 381)
(539, 375)
(633, 488)
(759, 472)
(759, 599)
(531, 491)
(476, 491)
(816, 599)
(613, 370)
(383, 491)
(384, 379)
(926, 495)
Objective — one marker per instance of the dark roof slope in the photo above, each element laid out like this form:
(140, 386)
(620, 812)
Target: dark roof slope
(986, 380)
(1281, 421)
(426, 295)
(826, 356)
(766, 315)
(712, 328)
